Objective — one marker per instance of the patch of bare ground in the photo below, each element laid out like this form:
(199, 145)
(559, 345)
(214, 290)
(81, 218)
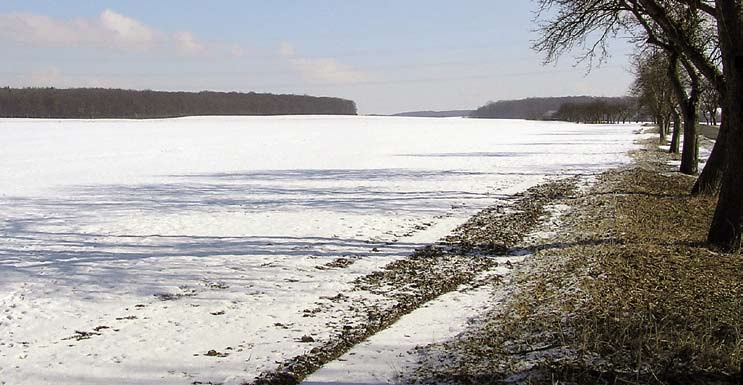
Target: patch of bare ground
(627, 294)
(406, 284)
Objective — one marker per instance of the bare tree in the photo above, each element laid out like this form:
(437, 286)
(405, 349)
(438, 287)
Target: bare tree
(711, 40)
(667, 92)
(709, 102)
(687, 102)
(676, 135)
(597, 110)
(653, 88)
(725, 231)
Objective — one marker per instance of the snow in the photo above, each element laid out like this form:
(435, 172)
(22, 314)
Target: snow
(390, 356)
(386, 356)
(705, 150)
(169, 238)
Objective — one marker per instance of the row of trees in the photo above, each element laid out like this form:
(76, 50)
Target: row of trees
(548, 108)
(599, 110)
(697, 41)
(674, 96)
(116, 103)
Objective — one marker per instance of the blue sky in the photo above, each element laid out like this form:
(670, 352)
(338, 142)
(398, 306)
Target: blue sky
(388, 56)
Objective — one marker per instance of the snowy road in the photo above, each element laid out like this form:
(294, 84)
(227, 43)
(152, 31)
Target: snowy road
(188, 250)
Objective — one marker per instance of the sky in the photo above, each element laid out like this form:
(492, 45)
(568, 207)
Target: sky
(387, 56)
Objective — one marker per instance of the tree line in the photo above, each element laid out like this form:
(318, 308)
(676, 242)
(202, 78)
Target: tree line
(91, 103)
(600, 111)
(583, 109)
(688, 45)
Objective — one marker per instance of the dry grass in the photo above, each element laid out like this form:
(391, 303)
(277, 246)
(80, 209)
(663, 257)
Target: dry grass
(630, 294)
(660, 307)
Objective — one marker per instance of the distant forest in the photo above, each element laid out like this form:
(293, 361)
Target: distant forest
(84, 103)
(582, 109)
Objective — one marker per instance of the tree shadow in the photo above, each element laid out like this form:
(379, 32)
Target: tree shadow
(383, 174)
(255, 192)
(47, 236)
(565, 245)
(644, 193)
(502, 154)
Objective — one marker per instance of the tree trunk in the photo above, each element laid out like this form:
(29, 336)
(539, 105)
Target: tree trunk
(725, 231)
(688, 103)
(675, 138)
(667, 130)
(662, 129)
(690, 153)
(709, 180)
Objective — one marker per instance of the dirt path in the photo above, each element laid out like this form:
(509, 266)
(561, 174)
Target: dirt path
(406, 285)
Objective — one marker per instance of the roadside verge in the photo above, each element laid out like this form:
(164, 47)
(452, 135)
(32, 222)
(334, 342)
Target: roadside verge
(626, 292)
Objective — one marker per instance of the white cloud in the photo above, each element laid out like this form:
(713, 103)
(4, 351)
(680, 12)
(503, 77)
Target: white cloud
(187, 44)
(110, 30)
(322, 70)
(32, 28)
(126, 29)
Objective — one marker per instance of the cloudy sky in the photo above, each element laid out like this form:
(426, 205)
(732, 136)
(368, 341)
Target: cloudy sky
(388, 56)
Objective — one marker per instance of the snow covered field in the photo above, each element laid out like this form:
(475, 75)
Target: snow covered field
(187, 250)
